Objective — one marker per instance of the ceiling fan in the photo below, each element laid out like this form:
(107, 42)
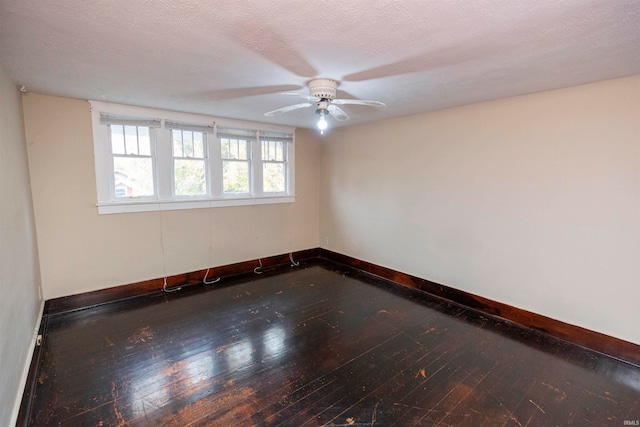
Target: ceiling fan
(322, 94)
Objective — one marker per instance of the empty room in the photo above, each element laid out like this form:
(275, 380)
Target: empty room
(296, 213)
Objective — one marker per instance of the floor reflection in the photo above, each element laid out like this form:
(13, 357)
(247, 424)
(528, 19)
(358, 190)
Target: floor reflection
(239, 356)
(273, 342)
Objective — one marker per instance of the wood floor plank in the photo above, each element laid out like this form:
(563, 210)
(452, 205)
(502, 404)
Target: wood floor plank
(314, 346)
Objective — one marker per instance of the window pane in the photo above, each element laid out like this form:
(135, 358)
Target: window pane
(224, 148)
(117, 139)
(233, 148)
(177, 143)
(273, 177)
(273, 151)
(189, 177)
(187, 139)
(198, 142)
(133, 177)
(131, 139)
(235, 177)
(144, 141)
(242, 150)
(280, 151)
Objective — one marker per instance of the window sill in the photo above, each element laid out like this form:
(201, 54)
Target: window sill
(173, 205)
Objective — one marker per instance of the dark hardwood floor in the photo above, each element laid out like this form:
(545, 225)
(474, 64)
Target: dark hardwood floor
(317, 345)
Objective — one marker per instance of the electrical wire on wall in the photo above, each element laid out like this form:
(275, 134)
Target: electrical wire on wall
(209, 282)
(293, 263)
(258, 270)
(175, 289)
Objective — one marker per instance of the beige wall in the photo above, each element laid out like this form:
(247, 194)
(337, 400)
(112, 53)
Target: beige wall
(19, 275)
(82, 251)
(533, 201)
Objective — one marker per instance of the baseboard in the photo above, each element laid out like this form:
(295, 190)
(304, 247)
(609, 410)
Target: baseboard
(102, 296)
(611, 346)
(27, 379)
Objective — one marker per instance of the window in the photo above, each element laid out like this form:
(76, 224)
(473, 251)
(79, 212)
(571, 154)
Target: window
(189, 163)
(274, 162)
(149, 159)
(235, 165)
(132, 156)
(132, 161)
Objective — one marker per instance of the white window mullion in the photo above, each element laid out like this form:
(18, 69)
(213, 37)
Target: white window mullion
(207, 163)
(164, 164)
(256, 168)
(291, 167)
(215, 166)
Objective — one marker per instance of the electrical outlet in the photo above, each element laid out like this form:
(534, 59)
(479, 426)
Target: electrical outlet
(326, 241)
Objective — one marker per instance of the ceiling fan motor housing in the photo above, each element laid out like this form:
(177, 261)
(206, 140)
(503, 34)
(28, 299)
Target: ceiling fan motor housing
(323, 88)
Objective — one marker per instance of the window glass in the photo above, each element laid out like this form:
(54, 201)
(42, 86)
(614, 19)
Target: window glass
(273, 177)
(235, 176)
(134, 175)
(189, 163)
(190, 177)
(235, 165)
(144, 141)
(132, 161)
(117, 139)
(273, 167)
(131, 140)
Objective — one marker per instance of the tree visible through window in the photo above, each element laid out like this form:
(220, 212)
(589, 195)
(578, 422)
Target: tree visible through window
(273, 166)
(189, 165)
(235, 165)
(132, 161)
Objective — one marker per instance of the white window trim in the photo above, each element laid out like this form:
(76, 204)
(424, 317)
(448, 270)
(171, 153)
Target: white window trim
(207, 171)
(164, 198)
(152, 156)
(286, 172)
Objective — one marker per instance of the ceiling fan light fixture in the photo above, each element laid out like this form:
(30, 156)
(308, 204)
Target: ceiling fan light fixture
(322, 123)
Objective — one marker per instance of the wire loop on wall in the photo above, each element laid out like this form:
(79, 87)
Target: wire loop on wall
(164, 287)
(258, 270)
(210, 282)
(293, 263)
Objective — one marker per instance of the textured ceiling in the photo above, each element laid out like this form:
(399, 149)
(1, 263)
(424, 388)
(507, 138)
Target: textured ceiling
(235, 58)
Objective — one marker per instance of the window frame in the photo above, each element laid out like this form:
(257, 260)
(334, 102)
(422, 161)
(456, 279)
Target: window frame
(248, 161)
(284, 162)
(163, 163)
(151, 156)
(205, 159)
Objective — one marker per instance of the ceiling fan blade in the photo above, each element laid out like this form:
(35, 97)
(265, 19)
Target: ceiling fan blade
(357, 102)
(287, 109)
(233, 93)
(307, 97)
(337, 113)
(262, 39)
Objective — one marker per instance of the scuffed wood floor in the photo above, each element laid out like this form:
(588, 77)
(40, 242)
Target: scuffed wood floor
(316, 346)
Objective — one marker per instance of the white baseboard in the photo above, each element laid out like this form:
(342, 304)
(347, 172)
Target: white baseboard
(25, 369)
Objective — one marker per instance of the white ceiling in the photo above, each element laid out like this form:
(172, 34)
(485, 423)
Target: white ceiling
(234, 58)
